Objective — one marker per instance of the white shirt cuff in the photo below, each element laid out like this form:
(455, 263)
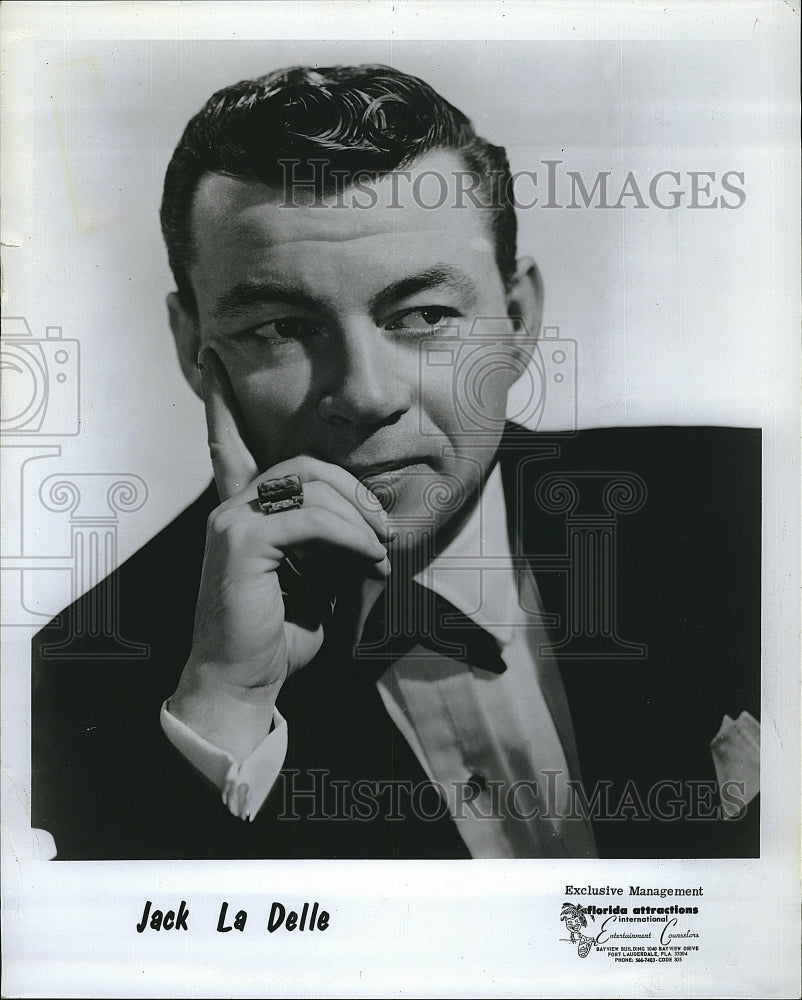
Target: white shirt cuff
(245, 786)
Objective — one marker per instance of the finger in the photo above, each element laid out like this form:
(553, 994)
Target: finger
(232, 462)
(244, 533)
(242, 802)
(338, 479)
(320, 494)
(302, 644)
(311, 528)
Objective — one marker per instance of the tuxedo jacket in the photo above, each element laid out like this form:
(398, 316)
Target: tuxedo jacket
(645, 545)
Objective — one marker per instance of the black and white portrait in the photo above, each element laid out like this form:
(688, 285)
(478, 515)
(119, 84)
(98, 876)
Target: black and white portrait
(398, 447)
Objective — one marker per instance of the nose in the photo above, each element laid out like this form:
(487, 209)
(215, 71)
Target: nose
(364, 384)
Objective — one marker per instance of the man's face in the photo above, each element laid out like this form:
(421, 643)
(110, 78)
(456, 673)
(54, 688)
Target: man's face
(324, 320)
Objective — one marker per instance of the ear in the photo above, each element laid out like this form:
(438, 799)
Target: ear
(187, 341)
(525, 304)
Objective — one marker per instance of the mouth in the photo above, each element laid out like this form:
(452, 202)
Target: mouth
(383, 479)
(382, 468)
(389, 473)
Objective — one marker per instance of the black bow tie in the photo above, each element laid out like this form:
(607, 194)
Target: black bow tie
(419, 616)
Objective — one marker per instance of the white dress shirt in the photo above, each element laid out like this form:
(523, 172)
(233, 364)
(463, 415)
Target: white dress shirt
(497, 734)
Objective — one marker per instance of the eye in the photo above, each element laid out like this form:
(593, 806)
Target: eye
(288, 328)
(424, 318)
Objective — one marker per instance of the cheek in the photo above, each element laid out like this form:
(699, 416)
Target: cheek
(438, 397)
(273, 407)
(471, 394)
(487, 375)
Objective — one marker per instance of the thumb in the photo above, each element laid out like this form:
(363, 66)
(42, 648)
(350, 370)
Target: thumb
(233, 464)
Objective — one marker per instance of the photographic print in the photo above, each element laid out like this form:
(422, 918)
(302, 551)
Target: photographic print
(400, 520)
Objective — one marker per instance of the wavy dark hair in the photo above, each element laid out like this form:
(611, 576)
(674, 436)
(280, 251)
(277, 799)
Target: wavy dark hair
(367, 120)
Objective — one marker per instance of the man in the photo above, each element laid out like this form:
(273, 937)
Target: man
(369, 672)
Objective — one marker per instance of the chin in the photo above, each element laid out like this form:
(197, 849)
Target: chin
(417, 495)
(425, 511)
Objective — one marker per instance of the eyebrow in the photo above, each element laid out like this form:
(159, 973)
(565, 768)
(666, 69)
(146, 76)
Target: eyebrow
(249, 293)
(257, 293)
(437, 276)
